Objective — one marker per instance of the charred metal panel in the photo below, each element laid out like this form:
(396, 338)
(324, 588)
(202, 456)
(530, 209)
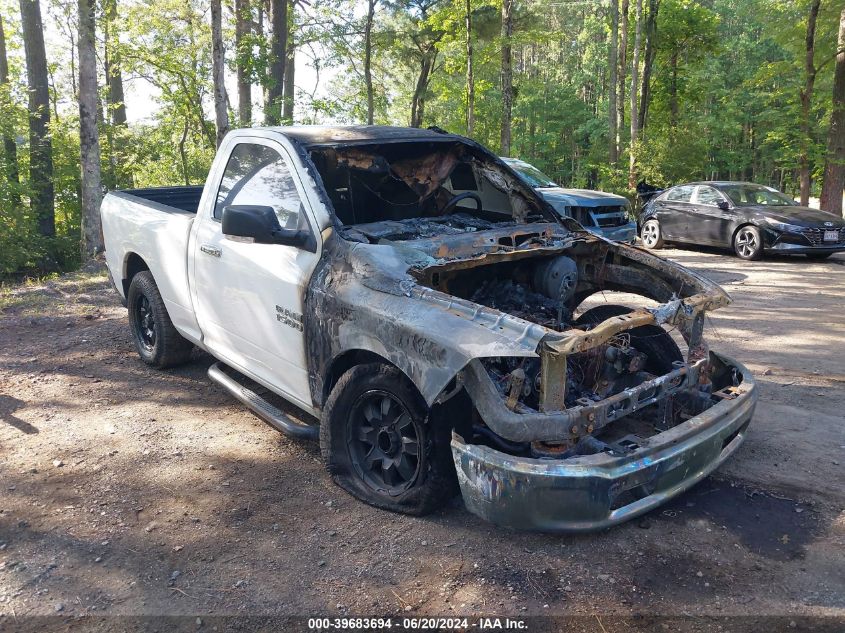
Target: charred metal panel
(362, 298)
(553, 380)
(569, 425)
(591, 492)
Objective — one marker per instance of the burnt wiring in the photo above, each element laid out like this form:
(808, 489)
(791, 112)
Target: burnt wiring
(378, 195)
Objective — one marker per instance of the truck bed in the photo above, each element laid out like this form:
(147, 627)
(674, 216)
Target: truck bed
(150, 228)
(186, 198)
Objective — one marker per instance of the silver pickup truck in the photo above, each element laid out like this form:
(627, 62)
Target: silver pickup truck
(404, 297)
(602, 213)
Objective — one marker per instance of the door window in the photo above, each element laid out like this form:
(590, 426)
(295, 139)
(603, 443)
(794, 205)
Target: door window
(257, 175)
(680, 194)
(709, 196)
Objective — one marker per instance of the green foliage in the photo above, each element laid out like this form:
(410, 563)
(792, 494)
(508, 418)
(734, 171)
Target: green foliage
(724, 92)
(724, 88)
(167, 43)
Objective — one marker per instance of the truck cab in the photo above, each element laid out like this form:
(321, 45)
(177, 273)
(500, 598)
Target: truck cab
(239, 298)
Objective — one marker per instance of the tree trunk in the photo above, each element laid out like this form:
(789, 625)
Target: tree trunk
(10, 148)
(290, 86)
(243, 20)
(183, 152)
(115, 110)
(418, 99)
(612, 63)
(648, 63)
(635, 76)
(368, 58)
(89, 139)
(834, 166)
(622, 74)
(806, 101)
(507, 76)
(278, 52)
(261, 32)
(40, 146)
(470, 79)
(221, 113)
(114, 75)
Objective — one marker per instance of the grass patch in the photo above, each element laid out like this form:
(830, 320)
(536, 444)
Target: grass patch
(34, 295)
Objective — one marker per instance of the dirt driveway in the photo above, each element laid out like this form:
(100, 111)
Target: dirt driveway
(127, 491)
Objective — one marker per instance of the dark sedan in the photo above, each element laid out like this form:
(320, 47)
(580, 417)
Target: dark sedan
(746, 217)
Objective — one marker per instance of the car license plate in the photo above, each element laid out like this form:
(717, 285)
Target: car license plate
(831, 236)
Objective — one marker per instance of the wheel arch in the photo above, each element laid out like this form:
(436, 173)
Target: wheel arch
(454, 411)
(132, 265)
(741, 225)
(345, 361)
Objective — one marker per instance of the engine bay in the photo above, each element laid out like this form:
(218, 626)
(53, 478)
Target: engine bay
(548, 289)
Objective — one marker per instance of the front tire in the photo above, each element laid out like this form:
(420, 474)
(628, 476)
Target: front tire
(379, 443)
(652, 340)
(748, 243)
(651, 235)
(159, 344)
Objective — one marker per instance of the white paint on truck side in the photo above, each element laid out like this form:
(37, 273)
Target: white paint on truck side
(159, 235)
(244, 306)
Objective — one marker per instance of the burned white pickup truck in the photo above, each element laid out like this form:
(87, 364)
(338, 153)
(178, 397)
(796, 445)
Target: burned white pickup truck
(424, 309)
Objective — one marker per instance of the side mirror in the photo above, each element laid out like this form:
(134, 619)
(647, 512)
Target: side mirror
(261, 224)
(724, 205)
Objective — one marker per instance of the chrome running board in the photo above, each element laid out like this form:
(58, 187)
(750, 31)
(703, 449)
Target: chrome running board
(259, 406)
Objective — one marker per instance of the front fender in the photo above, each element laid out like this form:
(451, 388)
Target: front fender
(427, 341)
(428, 335)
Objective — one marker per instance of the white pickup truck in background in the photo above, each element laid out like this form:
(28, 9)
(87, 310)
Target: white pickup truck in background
(415, 300)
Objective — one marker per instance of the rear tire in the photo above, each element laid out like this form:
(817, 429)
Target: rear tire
(379, 443)
(159, 344)
(651, 235)
(651, 340)
(748, 243)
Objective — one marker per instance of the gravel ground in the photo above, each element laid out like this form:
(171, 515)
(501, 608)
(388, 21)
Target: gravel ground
(132, 492)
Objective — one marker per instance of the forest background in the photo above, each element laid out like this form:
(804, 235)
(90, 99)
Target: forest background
(596, 93)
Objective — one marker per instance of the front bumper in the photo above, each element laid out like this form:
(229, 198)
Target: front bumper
(597, 491)
(799, 244)
(798, 249)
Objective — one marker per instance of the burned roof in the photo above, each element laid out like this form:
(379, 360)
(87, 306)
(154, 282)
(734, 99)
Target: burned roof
(338, 135)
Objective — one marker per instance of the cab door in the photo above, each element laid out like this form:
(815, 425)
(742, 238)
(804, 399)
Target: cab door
(712, 225)
(675, 213)
(249, 297)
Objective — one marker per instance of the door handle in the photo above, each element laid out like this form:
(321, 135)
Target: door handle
(210, 250)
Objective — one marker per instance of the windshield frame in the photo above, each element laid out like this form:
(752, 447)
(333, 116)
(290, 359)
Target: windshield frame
(530, 175)
(494, 169)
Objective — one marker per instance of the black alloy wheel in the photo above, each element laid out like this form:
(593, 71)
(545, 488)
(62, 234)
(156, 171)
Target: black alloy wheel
(748, 243)
(384, 445)
(158, 342)
(146, 323)
(384, 442)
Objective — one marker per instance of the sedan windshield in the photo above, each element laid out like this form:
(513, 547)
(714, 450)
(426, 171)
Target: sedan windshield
(751, 195)
(531, 175)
